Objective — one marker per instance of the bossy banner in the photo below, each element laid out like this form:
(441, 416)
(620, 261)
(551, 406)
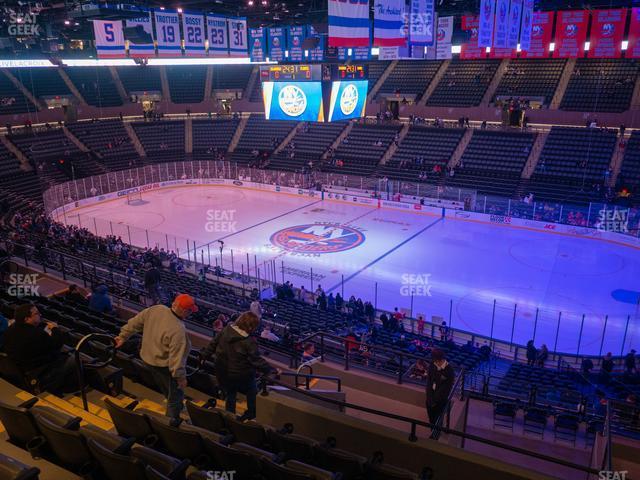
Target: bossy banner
(193, 31)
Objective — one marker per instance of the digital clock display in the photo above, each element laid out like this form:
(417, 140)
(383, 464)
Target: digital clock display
(286, 73)
(349, 72)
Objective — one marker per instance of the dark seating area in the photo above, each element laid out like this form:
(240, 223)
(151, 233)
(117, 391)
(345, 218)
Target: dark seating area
(41, 81)
(96, 85)
(109, 140)
(260, 136)
(376, 69)
(419, 151)
(630, 172)
(410, 78)
(12, 100)
(162, 141)
(464, 83)
(140, 78)
(531, 78)
(186, 84)
(492, 162)
(231, 77)
(210, 136)
(600, 85)
(9, 164)
(361, 151)
(572, 161)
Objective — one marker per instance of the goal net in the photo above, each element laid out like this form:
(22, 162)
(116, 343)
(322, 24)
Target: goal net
(134, 198)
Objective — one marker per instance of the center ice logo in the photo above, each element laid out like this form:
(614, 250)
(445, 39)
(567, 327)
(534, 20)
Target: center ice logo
(292, 100)
(349, 99)
(317, 238)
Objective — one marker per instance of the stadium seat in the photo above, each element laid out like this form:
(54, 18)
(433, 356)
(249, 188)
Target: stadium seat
(251, 433)
(336, 460)
(211, 419)
(294, 471)
(12, 469)
(131, 424)
(295, 447)
(246, 465)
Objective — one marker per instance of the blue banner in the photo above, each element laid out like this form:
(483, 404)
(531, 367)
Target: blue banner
(316, 54)
(258, 43)
(277, 44)
(422, 22)
(343, 53)
(361, 53)
(297, 34)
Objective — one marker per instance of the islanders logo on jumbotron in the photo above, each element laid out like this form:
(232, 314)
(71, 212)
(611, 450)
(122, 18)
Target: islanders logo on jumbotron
(292, 100)
(317, 238)
(349, 99)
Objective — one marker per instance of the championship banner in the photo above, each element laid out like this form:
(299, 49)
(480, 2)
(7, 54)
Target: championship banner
(541, 32)
(258, 39)
(515, 17)
(571, 33)
(143, 24)
(443, 38)
(168, 33)
(343, 53)
(217, 36)
(277, 44)
(501, 27)
(349, 23)
(389, 53)
(297, 34)
(388, 24)
(361, 53)
(238, 36)
(527, 23)
(109, 38)
(316, 54)
(421, 22)
(607, 30)
(485, 22)
(503, 53)
(471, 49)
(633, 50)
(193, 31)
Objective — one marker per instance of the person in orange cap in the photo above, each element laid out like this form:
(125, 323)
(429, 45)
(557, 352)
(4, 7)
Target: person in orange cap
(165, 347)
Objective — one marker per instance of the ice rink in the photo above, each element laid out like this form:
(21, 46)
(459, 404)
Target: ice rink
(428, 265)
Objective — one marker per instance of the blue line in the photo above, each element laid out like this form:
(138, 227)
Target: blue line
(258, 224)
(383, 255)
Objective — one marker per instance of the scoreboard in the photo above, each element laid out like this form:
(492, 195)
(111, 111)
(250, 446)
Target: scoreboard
(316, 92)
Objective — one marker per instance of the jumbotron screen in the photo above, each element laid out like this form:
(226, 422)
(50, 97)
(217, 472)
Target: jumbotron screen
(300, 101)
(348, 99)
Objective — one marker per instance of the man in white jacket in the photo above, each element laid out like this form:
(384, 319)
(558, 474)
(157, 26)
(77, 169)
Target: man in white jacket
(165, 347)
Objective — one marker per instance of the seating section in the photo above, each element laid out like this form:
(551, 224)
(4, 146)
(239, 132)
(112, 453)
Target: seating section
(492, 162)
(308, 145)
(96, 85)
(210, 136)
(572, 161)
(260, 135)
(140, 78)
(162, 141)
(464, 83)
(361, 151)
(231, 77)
(9, 164)
(187, 83)
(410, 77)
(630, 171)
(376, 69)
(109, 140)
(420, 150)
(12, 100)
(531, 78)
(41, 81)
(600, 85)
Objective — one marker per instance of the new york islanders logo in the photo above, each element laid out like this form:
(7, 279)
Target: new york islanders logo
(317, 238)
(608, 29)
(571, 30)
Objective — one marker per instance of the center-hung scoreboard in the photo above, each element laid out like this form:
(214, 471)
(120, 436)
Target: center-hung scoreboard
(314, 92)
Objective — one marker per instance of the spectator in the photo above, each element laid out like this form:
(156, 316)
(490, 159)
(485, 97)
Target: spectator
(256, 309)
(219, 323)
(37, 351)
(267, 334)
(237, 361)
(630, 363)
(586, 366)
(421, 324)
(165, 347)
(308, 352)
(485, 351)
(440, 376)
(100, 301)
(532, 353)
(152, 284)
(444, 332)
(543, 354)
(74, 295)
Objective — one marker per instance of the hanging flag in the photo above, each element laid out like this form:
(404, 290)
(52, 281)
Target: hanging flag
(541, 33)
(388, 24)
(421, 22)
(471, 49)
(109, 38)
(316, 54)
(168, 33)
(443, 38)
(144, 27)
(389, 53)
(501, 27)
(571, 33)
(633, 49)
(485, 22)
(277, 44)
(258, 38)
(515, 17)
(217, 36)
(193, 31)
(237, 37)
(297, 34)
(349, 23)
(527, 23)
(607, 29)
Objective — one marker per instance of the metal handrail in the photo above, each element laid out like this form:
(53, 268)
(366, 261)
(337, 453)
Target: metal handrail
(80, 365)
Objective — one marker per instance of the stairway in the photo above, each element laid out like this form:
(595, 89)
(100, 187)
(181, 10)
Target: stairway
(616, 160)
(75, 140)
(25, 164)
(562, 84)
(374, 90)
(134, 139)
(289, 137)
(70, 85)
(236, 136)
(338, 140)
(457, 153)
(188, 135)
(208, 83)
(253, 78)
(534, 155)
(119, 86)
(434, 83)
(38, 104)
(393, 147)
(495, 82)
(166, 93)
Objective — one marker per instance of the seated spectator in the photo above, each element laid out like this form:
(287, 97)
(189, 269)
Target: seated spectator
(308, 352)
(100, 301)
(36, 350)
(267, 334)
(532, 353)
(75, 295)
(543, 354)
(419, 370)
(586, 366)
(485, 351)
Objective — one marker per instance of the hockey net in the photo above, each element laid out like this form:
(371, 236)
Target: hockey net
(134, 198)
